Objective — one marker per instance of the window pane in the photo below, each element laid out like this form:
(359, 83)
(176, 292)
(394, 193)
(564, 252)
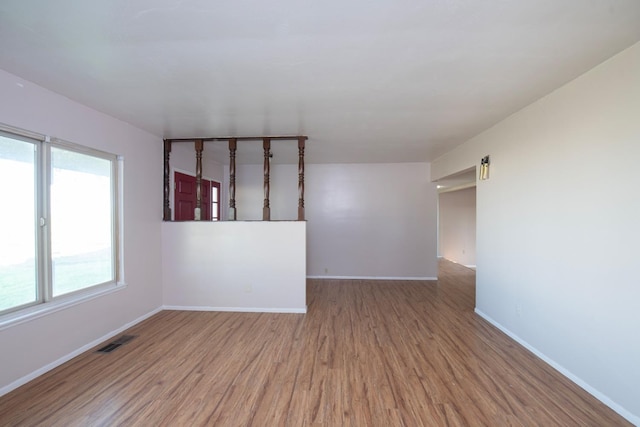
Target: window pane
(81, 221)
(214, 212)
(215, 194)
(18, 285)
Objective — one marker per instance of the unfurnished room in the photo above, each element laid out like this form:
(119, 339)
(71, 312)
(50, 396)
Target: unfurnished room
(363, 213)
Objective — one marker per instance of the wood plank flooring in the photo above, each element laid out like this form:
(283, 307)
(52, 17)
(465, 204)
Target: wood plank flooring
(381, 353)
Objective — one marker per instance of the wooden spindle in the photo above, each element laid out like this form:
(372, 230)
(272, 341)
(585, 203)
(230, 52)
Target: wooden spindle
(198, 210)
(166, 215)
(232, 179)
(266, 209)
(301, 179)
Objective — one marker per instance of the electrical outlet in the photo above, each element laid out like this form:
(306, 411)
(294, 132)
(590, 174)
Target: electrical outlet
(518, 310)
(248, 288)
(326, 270)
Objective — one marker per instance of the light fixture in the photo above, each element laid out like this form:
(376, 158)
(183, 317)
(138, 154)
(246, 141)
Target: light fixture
(484, 168)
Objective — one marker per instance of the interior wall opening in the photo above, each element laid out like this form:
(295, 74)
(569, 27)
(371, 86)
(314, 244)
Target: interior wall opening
(457, 220)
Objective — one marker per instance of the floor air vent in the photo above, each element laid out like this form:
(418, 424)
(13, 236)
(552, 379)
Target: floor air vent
(115, 344)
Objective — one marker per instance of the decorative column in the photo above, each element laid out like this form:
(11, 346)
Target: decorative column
(232, 179)
(301, 179)
(197, 214)
(266, 209)
(166, 214)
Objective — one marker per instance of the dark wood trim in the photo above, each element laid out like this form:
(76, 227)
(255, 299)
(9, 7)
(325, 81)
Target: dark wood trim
(241, 138)
(166, 212)
(266, 209)
(199, 146)
(233, 145)
(301, 179)
(266, 142)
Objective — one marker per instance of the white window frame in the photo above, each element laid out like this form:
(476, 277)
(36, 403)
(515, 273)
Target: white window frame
(46, 303)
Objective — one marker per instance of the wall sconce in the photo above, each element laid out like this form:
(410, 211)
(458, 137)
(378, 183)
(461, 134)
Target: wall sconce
(484, 168)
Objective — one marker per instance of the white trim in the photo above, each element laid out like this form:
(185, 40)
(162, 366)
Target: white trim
(46, 302)
(577, 380)
(36, 311)
(371, 278)
(464, 265)
(457, 188)
(23, 132)
(235, 309)
(80, 148)
(21, 381)
(120, 220)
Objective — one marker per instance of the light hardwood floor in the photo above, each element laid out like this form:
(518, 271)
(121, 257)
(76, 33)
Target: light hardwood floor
(381, 353)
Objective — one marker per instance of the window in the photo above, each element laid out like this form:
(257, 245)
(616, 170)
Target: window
(215, 201)
(58, 224)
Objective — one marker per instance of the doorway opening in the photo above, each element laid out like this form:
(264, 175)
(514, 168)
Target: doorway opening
(457, 218)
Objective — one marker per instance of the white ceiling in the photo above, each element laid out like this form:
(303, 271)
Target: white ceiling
(366, 80)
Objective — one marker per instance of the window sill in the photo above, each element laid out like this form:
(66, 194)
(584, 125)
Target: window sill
(40, 310)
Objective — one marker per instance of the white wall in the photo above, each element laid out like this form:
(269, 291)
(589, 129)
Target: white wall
(183, 157)
(283, 197)
(31, 346)
(457, 226)
(236, 265)
(371, 220)
(558, 228)
(363, 220)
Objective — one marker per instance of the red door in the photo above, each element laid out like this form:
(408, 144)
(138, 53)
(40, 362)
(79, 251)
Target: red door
(205, 204)
(185, 198)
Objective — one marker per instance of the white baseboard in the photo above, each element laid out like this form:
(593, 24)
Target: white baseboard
(21, 381)
(371, 278)
(470, 266)
(634, 419)
(235, 309)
